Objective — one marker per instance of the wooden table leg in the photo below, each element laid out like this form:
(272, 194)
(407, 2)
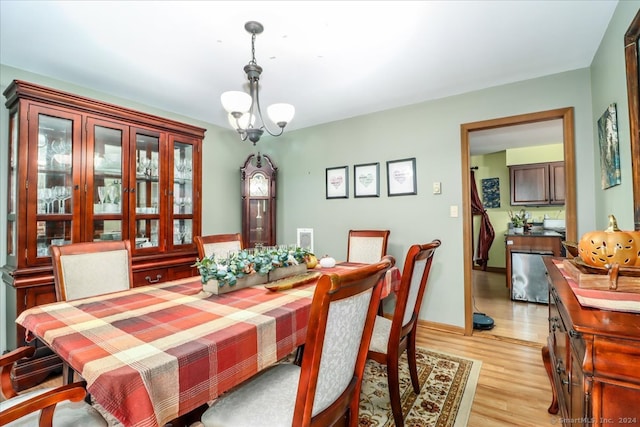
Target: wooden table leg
(546, 359)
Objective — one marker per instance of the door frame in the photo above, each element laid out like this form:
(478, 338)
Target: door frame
(567, 116)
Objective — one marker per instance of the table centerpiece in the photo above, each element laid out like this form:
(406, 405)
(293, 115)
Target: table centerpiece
(249, 267)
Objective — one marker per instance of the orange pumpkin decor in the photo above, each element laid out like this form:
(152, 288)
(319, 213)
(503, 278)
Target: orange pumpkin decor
(611, 246)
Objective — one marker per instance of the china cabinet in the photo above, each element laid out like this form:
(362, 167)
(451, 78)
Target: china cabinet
(84, 170)
(258, 175)
(537, 184)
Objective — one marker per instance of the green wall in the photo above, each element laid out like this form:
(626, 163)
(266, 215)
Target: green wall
(538, 154)
(430, 132)
(609, 85)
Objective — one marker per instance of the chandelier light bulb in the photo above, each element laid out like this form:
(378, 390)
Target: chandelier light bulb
(241, 122)
(281, 114)
(235, 101)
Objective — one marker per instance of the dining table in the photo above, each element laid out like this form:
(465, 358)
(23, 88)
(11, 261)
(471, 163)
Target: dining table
(154, 353)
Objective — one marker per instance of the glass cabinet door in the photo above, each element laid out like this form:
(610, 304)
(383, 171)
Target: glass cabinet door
(183, 192)
(147, 195)
(12, 202)
(55, 142)
(107, 197)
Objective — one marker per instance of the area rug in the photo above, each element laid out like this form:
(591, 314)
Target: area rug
(448, 385)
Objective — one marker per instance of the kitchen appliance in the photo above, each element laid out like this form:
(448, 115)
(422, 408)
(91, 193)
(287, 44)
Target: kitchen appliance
(528, 277)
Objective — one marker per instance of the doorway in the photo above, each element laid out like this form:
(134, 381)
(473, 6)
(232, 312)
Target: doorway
(566, 115)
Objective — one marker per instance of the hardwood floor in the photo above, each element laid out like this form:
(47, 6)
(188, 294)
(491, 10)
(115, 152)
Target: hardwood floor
(513, 388)
(514, 320)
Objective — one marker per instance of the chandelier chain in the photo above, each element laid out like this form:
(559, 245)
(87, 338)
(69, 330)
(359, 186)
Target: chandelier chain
(253, 49)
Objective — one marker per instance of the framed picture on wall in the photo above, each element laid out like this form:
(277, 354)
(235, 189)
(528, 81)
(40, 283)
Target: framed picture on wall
(366, 180)
(305, 238)
(401, 177)
(337, 182)
(609, 151)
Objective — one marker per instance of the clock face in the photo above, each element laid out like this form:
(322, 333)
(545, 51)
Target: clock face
(258, 185)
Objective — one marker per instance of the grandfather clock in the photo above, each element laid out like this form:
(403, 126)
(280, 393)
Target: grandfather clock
(258, 177)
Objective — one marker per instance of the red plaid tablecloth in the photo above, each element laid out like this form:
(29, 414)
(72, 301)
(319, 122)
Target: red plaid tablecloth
(154, 353)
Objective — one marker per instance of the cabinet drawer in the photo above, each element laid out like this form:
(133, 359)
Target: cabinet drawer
(611, 359)
(150, 277)
(39, 295)
(182, 272)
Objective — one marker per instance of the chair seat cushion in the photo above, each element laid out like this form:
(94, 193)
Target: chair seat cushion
(266, 400)
(67, 414)
(380, 337)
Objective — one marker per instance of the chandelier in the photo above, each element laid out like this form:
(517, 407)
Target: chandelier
(244, 108)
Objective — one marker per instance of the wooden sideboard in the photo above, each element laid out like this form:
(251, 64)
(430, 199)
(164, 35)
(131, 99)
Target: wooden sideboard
(592, 359)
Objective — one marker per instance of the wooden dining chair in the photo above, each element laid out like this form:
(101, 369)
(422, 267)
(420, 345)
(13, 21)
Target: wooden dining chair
(391, 337)
(88, 269)
(62, 406)
(326, 387)
(367, 246)
(218, 244)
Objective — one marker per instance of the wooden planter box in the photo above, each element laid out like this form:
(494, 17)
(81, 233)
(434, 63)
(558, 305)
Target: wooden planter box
(281, 273)
(214, 287)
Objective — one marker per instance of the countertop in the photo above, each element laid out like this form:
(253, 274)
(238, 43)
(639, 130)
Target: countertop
(541, 233)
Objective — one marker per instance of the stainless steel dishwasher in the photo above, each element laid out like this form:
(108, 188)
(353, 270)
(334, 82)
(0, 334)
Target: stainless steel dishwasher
(528, 277)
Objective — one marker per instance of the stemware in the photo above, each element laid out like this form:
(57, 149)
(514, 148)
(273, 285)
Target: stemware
(180, 167)
(143, 166)
(47, 196)
(42, 204)
(102, 194)
(59, 194)
(113, 191)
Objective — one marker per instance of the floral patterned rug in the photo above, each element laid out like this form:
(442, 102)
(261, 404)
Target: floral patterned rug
(448, 386)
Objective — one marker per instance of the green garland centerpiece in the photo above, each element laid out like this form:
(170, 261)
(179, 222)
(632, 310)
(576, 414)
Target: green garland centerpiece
(227, 270)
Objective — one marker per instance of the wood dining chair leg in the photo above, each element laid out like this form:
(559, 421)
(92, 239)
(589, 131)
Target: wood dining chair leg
(299, 353)
(394, 389)
(411, 359)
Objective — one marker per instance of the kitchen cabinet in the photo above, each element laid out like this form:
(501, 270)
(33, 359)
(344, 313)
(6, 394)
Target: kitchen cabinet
(591, 359)
(537, 184)
(83, 170)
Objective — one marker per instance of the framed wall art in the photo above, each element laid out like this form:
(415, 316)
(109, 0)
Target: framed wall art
(338, 183)
(609, 152)
(305, 238)
(367, 180)
(491, 193)
(401, 177)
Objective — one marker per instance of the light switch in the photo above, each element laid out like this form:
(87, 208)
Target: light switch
(437, 189)
(453, 211)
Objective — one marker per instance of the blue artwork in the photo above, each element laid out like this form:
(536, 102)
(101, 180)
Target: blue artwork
(491, 193)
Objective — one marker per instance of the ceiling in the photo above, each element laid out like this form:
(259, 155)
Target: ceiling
(332, 60)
